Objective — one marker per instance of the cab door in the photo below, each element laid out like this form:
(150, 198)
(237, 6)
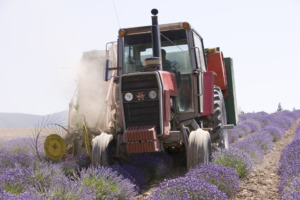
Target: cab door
(199, 67)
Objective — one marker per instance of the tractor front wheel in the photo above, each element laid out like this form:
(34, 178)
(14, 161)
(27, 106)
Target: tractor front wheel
(199, 148)
(103, 149)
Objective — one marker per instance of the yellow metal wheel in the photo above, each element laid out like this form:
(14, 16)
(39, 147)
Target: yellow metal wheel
(54, 147)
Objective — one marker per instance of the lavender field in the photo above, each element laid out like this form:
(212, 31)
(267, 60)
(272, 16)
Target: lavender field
(24, 176)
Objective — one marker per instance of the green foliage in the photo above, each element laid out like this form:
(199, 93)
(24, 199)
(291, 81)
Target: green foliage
(279, 108)
(78, 125)
(13, 188)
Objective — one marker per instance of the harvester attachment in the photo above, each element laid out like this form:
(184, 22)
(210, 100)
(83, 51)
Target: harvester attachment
(54, 147)
(87, 142)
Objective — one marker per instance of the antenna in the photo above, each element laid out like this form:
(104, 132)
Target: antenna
(116, 14)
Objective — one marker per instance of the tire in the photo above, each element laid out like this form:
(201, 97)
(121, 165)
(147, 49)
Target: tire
(219, 134)
(103, 148)
(199, 148)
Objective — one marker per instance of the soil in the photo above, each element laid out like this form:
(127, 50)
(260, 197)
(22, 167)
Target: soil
(10, 133)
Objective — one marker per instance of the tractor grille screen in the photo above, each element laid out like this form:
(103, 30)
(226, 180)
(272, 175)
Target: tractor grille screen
(141, 110)
(139, 82)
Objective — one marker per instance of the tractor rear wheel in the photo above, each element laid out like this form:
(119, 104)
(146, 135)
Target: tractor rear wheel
(103, 149)
(219, 133)
(199, 148)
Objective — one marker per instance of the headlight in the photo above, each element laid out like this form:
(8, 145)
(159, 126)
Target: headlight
(128, 96)
(152, 94)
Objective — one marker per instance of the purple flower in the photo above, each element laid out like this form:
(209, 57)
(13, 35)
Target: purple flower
(253, 149)
(8, 177)
(275, 131)
(186, 188)
(291, 195)
(235, 159)
(106, 183)
(290, 158)
(144, 167)
(289, 169)
(23, 196)
(225, 178)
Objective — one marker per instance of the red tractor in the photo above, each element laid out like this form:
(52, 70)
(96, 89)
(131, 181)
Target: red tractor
(169, 94)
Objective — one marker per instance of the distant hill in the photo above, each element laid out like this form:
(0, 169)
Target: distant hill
(19, 120)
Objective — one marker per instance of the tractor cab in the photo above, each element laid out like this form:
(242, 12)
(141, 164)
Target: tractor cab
(175, 58)
(180, 52)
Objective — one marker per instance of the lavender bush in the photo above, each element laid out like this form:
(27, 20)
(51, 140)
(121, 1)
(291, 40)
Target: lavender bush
(131, 172)
(253, 149)
(289, 168)
(145, 167)
(263, 139)
(153, 165)
(226, 179)
(187, 188)
(289, 158)
(275, 131)
(23, 196)
(17, 151)
(65, 188)
(8, 177)
(106, 183)
(235, 159)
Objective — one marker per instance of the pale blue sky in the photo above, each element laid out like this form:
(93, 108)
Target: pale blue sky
(41, 43)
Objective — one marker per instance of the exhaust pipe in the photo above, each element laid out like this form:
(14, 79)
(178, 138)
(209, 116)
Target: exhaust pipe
(156, 36)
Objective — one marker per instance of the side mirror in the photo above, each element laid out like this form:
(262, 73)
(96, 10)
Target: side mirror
(107, 70)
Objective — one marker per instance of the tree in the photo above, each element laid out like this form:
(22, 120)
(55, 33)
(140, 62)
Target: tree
(279, 108)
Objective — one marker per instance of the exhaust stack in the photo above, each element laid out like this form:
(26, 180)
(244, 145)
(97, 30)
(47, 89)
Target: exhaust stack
(156, 37)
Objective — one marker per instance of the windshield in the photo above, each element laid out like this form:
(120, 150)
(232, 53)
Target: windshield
(175, 58)
(175, 54)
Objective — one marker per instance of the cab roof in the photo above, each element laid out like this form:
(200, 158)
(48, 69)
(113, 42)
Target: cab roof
(162, 27)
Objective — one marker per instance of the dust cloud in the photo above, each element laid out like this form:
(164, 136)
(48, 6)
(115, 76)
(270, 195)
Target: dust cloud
(92, 90)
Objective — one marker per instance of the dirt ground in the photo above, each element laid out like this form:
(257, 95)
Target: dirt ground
(10, 133)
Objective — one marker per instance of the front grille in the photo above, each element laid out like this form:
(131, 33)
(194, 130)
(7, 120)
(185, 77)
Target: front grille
(139, 82)
(142, 113)
(145, 112)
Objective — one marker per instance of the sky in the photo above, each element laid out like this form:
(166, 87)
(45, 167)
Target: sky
(42, 41)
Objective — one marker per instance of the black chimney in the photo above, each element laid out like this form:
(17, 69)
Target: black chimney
(155, 36)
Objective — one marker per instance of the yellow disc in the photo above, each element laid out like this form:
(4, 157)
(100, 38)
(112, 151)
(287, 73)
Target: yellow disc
(54, 147)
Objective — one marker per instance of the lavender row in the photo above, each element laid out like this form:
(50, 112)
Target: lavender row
(276, 124)
(251, 148)
(289, 169)
(220, 179)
